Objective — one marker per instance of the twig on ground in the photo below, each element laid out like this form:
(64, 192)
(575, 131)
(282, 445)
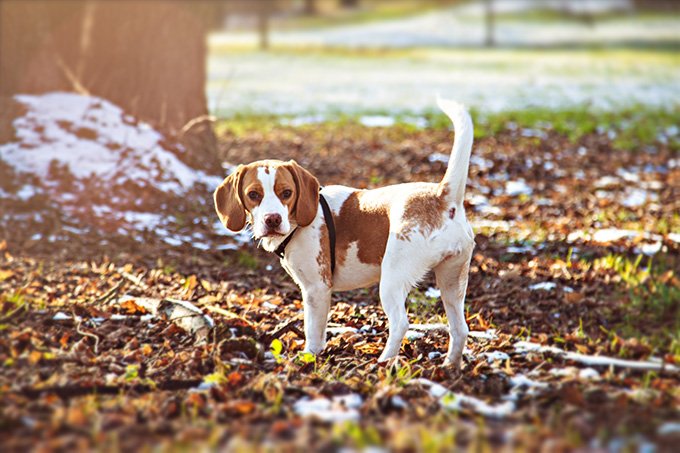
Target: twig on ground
(592, 360)
(13, 313)
(184, 314)
(78, 320)
(109, 294)
(137, 280)
(227, 314)
(75, 390)
(286, 326)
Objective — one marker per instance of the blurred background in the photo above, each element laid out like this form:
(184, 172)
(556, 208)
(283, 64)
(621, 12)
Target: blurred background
(311, 59)
(380, 56)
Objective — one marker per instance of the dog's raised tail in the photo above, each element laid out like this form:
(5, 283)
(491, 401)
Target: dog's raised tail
(456, 173)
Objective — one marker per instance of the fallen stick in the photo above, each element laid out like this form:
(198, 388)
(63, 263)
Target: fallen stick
(489, 334)
(79, 321)
(285, 326)
(14, 312)
(185, 314)
(110, 294)
(596, 360)
(135, 279)
(71, 391)
(227, 314)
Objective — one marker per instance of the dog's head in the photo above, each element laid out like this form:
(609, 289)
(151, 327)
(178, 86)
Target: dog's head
(273, 196)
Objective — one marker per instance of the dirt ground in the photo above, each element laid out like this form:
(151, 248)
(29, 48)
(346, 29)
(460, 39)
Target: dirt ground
(556, 279)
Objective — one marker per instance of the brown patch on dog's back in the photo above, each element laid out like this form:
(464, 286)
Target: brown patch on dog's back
(423, 210)
(365, 222)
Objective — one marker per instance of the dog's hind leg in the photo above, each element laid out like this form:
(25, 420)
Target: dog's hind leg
(393, 300)
(452, 279)
(398, 275)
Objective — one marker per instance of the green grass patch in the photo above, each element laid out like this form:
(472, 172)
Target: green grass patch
(631, 129)
(653, 288)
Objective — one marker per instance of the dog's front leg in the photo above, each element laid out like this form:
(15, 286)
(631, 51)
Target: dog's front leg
(317, 302)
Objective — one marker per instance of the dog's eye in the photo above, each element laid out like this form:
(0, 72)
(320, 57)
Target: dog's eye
(253, 195)
(286, 194)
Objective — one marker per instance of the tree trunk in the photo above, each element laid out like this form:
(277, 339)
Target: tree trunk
(349, 3)
(146, 56)
(310, 8)
(489, 40)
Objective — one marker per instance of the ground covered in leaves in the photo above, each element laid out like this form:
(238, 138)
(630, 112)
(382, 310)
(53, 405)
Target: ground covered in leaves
(577, 254)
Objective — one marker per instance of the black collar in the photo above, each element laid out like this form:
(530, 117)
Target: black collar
(330, 224)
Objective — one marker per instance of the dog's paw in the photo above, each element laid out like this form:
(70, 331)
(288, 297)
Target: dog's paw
(387, 360)
(453, 364)
(313, 349)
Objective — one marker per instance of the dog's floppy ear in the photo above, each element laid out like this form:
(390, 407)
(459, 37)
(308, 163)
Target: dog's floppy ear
(307, 186)
(228, 203)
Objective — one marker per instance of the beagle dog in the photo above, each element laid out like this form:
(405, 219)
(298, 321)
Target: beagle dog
(393, 235)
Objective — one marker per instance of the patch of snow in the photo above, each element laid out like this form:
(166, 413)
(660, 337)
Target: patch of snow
(545, 286)
(516, 188)
(456, 401)
(366, 329)
(615, 234)
(240, 237)
(61, 316)
(527, 132)
(302, 120)
(412, 335)
(27, 192)
(478, 200)
(341, 330)
(439, 157)
(398, 401)
(489, 210)
(377, 121)
(607, 182)
(482, 163)
(652, 185)
(174, 241)
(92, 137)
(589, 374)
(315, 80)
(417, 121)
(494, 225)
(612, 235)
(429, 327)
(340, 409)
(495, 355)
(627, 175)
(143, 220)
(489, 334)
(649, 249)
(669, 428)
(521, 250)
(674, 237)
(434, 355)
(638, 197)
(433, 292)
(351, 401)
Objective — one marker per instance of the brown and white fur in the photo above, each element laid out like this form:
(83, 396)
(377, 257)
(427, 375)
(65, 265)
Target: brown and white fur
(393, 235)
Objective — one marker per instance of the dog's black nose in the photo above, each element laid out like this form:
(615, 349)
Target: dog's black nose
(272, 220)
